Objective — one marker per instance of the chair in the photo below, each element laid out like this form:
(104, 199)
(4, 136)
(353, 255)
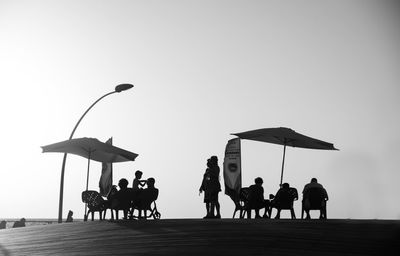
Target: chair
(314, 199)
(284, 200)
(146, 202)
(94, 202)
(241, 202)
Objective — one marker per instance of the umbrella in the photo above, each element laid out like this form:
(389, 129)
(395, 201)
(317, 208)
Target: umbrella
(92, 149)
(286, 137)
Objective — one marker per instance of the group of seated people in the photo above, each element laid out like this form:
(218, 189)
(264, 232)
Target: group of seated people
(314, 197)
(141, 197)
(128, 199)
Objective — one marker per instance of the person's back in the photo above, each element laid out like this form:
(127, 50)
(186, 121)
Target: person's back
(213, 172)
(284, 199)
(314, 198)
(313, 184)
(256, 194)
(123, 196)
(256, 199)
(284, 195)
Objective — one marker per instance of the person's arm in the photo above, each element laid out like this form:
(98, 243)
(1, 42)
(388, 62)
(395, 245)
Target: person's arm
(295, 194)
(326, 195)
(142, 182)
(201, 189)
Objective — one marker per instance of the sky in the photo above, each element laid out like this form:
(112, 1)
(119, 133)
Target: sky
(201, 70)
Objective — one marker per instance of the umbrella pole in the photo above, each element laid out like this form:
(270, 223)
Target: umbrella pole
(87, 184)
(283, 162)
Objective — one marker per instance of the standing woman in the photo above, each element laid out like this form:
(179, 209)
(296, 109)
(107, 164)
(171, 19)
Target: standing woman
(205, 187)
(214, 186)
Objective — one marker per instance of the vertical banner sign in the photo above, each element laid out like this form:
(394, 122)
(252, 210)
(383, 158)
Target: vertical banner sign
(105, 182)
(232, 168)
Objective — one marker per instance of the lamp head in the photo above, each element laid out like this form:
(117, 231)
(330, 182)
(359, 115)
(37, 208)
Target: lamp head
(123, 87)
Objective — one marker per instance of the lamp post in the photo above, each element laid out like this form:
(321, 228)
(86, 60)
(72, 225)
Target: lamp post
(118, 88)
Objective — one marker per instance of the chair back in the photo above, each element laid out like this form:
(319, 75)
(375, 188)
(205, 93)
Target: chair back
(244, 195)
(285, 198)
(147, 196)
(93, 199)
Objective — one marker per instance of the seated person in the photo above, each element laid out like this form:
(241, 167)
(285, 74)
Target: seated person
(147, 196)
(256, 199)
(69, 217)
(122, 199)
(315, 197)
(3, 224)
(284, 199)
(20, 223)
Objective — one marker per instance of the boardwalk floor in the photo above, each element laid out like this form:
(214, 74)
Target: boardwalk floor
(206, 237)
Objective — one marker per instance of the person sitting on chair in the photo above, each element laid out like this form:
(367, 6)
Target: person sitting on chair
(69, 217)
(256, 199)
(20, 223)
(3, 224)
(306, 198)
(122, 198)
(147, 196)
(284, 199)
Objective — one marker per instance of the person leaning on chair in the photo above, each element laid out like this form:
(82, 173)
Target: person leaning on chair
(256, 199)
(306, 200)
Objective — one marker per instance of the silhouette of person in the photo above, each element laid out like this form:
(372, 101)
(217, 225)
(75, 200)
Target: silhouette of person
(3, 224)
(137, 181)
(69, 217)
(20, 223)
(137, 186)
(211, 188)
(284, 199)
(215, 187)
(204, 187)
(147, 196)
(306, 201)
(122, 198)
(256, 199)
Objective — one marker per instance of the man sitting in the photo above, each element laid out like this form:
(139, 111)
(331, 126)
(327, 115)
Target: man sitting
(122, 199)
(284, 199)
(146, 197)
(256, 199)
(314, 197)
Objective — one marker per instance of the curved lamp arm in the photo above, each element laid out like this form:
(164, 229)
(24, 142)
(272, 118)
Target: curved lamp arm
(118, 88)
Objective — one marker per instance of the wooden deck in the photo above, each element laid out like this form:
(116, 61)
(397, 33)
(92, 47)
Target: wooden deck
(206, 237)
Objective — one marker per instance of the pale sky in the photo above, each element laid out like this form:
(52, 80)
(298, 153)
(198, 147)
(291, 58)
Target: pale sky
(202, 70)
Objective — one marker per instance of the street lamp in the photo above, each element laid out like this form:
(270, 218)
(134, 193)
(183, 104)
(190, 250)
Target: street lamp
(118, 88)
